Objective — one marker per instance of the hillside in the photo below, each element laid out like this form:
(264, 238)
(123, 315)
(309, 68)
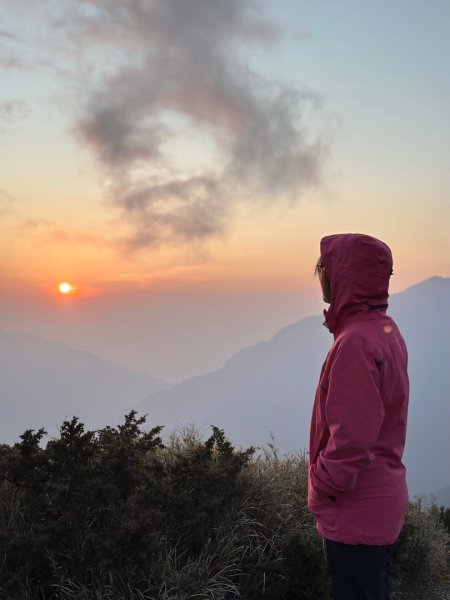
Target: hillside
(270, 387)
(114, 514)
(43, 382)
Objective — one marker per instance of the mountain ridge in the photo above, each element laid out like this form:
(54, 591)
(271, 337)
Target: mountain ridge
(269, 386)
(43, 383)
(77, 351)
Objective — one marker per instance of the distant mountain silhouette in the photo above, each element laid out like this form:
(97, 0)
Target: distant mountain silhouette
(44, 382)
(269, 387)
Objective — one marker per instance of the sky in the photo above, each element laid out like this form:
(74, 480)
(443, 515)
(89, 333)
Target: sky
(178, 161)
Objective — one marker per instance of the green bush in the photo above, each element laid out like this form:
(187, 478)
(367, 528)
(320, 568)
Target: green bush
(101, 508)
(116, 514)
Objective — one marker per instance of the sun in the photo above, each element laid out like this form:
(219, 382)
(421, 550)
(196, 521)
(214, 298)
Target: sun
(66, 288)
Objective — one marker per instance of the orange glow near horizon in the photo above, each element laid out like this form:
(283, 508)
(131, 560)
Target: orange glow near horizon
(217, 210)
(266, 251)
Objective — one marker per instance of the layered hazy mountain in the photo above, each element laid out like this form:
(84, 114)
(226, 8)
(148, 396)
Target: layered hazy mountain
(44, 382)
(269, 388)
(263, 389)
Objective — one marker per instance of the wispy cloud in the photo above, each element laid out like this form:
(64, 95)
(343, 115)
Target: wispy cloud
(46, 231)
(6, 203)
(186, 65)
(10, 52)
(11, 112)
(170, 71)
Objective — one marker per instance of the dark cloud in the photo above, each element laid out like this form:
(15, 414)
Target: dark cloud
(171, 70)
(179, 210)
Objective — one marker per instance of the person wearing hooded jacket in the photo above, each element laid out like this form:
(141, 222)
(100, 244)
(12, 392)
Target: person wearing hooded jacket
(357, 487)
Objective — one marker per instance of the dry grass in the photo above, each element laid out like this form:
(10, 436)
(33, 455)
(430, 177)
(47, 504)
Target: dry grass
(264, 546)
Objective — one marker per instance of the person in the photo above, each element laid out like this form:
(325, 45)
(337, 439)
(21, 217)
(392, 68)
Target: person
(357, 487)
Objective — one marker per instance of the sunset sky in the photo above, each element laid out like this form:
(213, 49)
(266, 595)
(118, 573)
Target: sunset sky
(178, 161)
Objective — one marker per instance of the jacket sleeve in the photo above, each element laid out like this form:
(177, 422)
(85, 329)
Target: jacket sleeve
(354, 412)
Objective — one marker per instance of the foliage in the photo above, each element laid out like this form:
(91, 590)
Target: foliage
(115, 514)
(422, 550)
(444, 516)
(100, 506)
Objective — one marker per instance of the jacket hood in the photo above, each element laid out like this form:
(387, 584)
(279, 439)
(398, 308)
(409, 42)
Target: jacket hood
(359, 267)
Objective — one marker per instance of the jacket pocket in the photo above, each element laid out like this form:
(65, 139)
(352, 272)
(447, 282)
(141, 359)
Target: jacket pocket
(324, 508)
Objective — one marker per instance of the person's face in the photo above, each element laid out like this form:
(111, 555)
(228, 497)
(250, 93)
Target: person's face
(324, 283)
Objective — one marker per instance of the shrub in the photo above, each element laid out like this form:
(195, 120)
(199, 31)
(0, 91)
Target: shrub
(101, 506)
(422, 548)
(116, 514)
(444, 516)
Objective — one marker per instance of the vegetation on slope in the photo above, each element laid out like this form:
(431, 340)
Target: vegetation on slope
(115, 513)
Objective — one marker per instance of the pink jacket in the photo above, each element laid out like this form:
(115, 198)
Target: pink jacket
(357, 487)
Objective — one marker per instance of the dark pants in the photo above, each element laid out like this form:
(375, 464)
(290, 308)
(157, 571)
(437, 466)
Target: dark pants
(359, 572)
